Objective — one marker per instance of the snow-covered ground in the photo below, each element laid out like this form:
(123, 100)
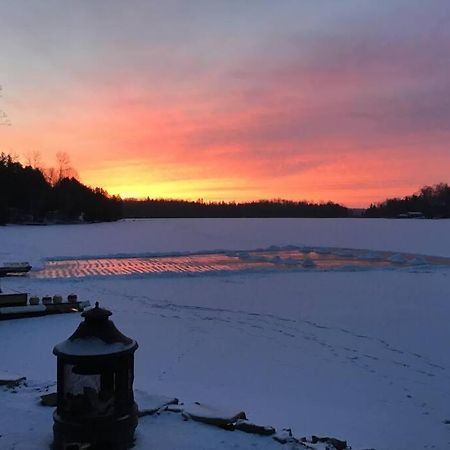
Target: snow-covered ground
(360, 356)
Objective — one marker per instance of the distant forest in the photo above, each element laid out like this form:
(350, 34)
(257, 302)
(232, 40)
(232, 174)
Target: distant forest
(29, 194)
(429, 202)
(33, 195)
(262, 208)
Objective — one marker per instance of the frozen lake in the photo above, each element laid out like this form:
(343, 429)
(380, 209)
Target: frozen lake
(329, 327)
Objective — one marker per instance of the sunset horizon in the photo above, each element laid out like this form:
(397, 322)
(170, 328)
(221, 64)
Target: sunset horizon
(232, 102)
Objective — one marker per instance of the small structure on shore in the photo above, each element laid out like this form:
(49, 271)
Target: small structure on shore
(14, 268)
(95, 400)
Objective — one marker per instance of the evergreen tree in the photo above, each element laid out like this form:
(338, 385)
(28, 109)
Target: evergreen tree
(26, 195)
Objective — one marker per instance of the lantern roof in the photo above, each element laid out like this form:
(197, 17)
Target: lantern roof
(96, 313)
(96, 336)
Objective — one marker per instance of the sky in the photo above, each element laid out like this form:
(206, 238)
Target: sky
(341, 100)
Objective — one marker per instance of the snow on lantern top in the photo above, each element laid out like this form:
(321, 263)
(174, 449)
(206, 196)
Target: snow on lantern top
(95, 336)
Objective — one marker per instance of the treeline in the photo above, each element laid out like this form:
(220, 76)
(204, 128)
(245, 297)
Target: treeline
(430, 201)
(27, 195)
(163, 208)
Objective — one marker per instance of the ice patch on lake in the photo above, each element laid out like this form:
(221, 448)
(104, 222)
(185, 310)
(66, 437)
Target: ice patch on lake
(418, 261)
(397, 259)
(371, 256)
(308, 262)
(273, 258)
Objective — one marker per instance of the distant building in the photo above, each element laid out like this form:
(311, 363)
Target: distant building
(356, 212)
(411, 215)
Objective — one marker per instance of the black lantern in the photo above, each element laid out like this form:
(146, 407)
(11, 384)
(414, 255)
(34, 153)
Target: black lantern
(95, 402)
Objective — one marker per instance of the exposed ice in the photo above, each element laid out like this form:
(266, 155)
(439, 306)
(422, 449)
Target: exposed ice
(418, 261)
(308, 262)
(397, 259)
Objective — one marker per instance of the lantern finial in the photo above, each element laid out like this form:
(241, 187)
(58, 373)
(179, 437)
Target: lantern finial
(96, 304)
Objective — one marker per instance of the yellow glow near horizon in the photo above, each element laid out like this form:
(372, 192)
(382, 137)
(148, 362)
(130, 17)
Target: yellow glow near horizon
(139, 182)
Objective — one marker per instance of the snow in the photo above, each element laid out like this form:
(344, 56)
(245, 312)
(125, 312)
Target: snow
(151, 403)
(359, 355)
(15, 264)
(26, 426)
(213, 414)
(89, 347)
(8, 378)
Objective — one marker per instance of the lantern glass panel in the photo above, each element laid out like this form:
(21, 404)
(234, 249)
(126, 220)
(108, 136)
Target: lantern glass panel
(88, 394)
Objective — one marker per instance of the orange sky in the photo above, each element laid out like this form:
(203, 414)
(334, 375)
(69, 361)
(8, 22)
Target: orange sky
(232, 102)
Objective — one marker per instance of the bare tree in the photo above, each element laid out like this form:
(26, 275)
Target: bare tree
(63, 164)
(50, 175)
(64, 169)
(33, 159)
(4, 118)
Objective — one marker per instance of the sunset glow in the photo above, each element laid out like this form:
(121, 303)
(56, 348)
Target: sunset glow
(232, 100)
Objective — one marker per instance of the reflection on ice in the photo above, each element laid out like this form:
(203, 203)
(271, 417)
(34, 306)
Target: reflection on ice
(271, 259)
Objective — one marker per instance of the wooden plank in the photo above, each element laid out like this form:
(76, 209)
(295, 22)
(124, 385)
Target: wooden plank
(22, 309)
(13, 299)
